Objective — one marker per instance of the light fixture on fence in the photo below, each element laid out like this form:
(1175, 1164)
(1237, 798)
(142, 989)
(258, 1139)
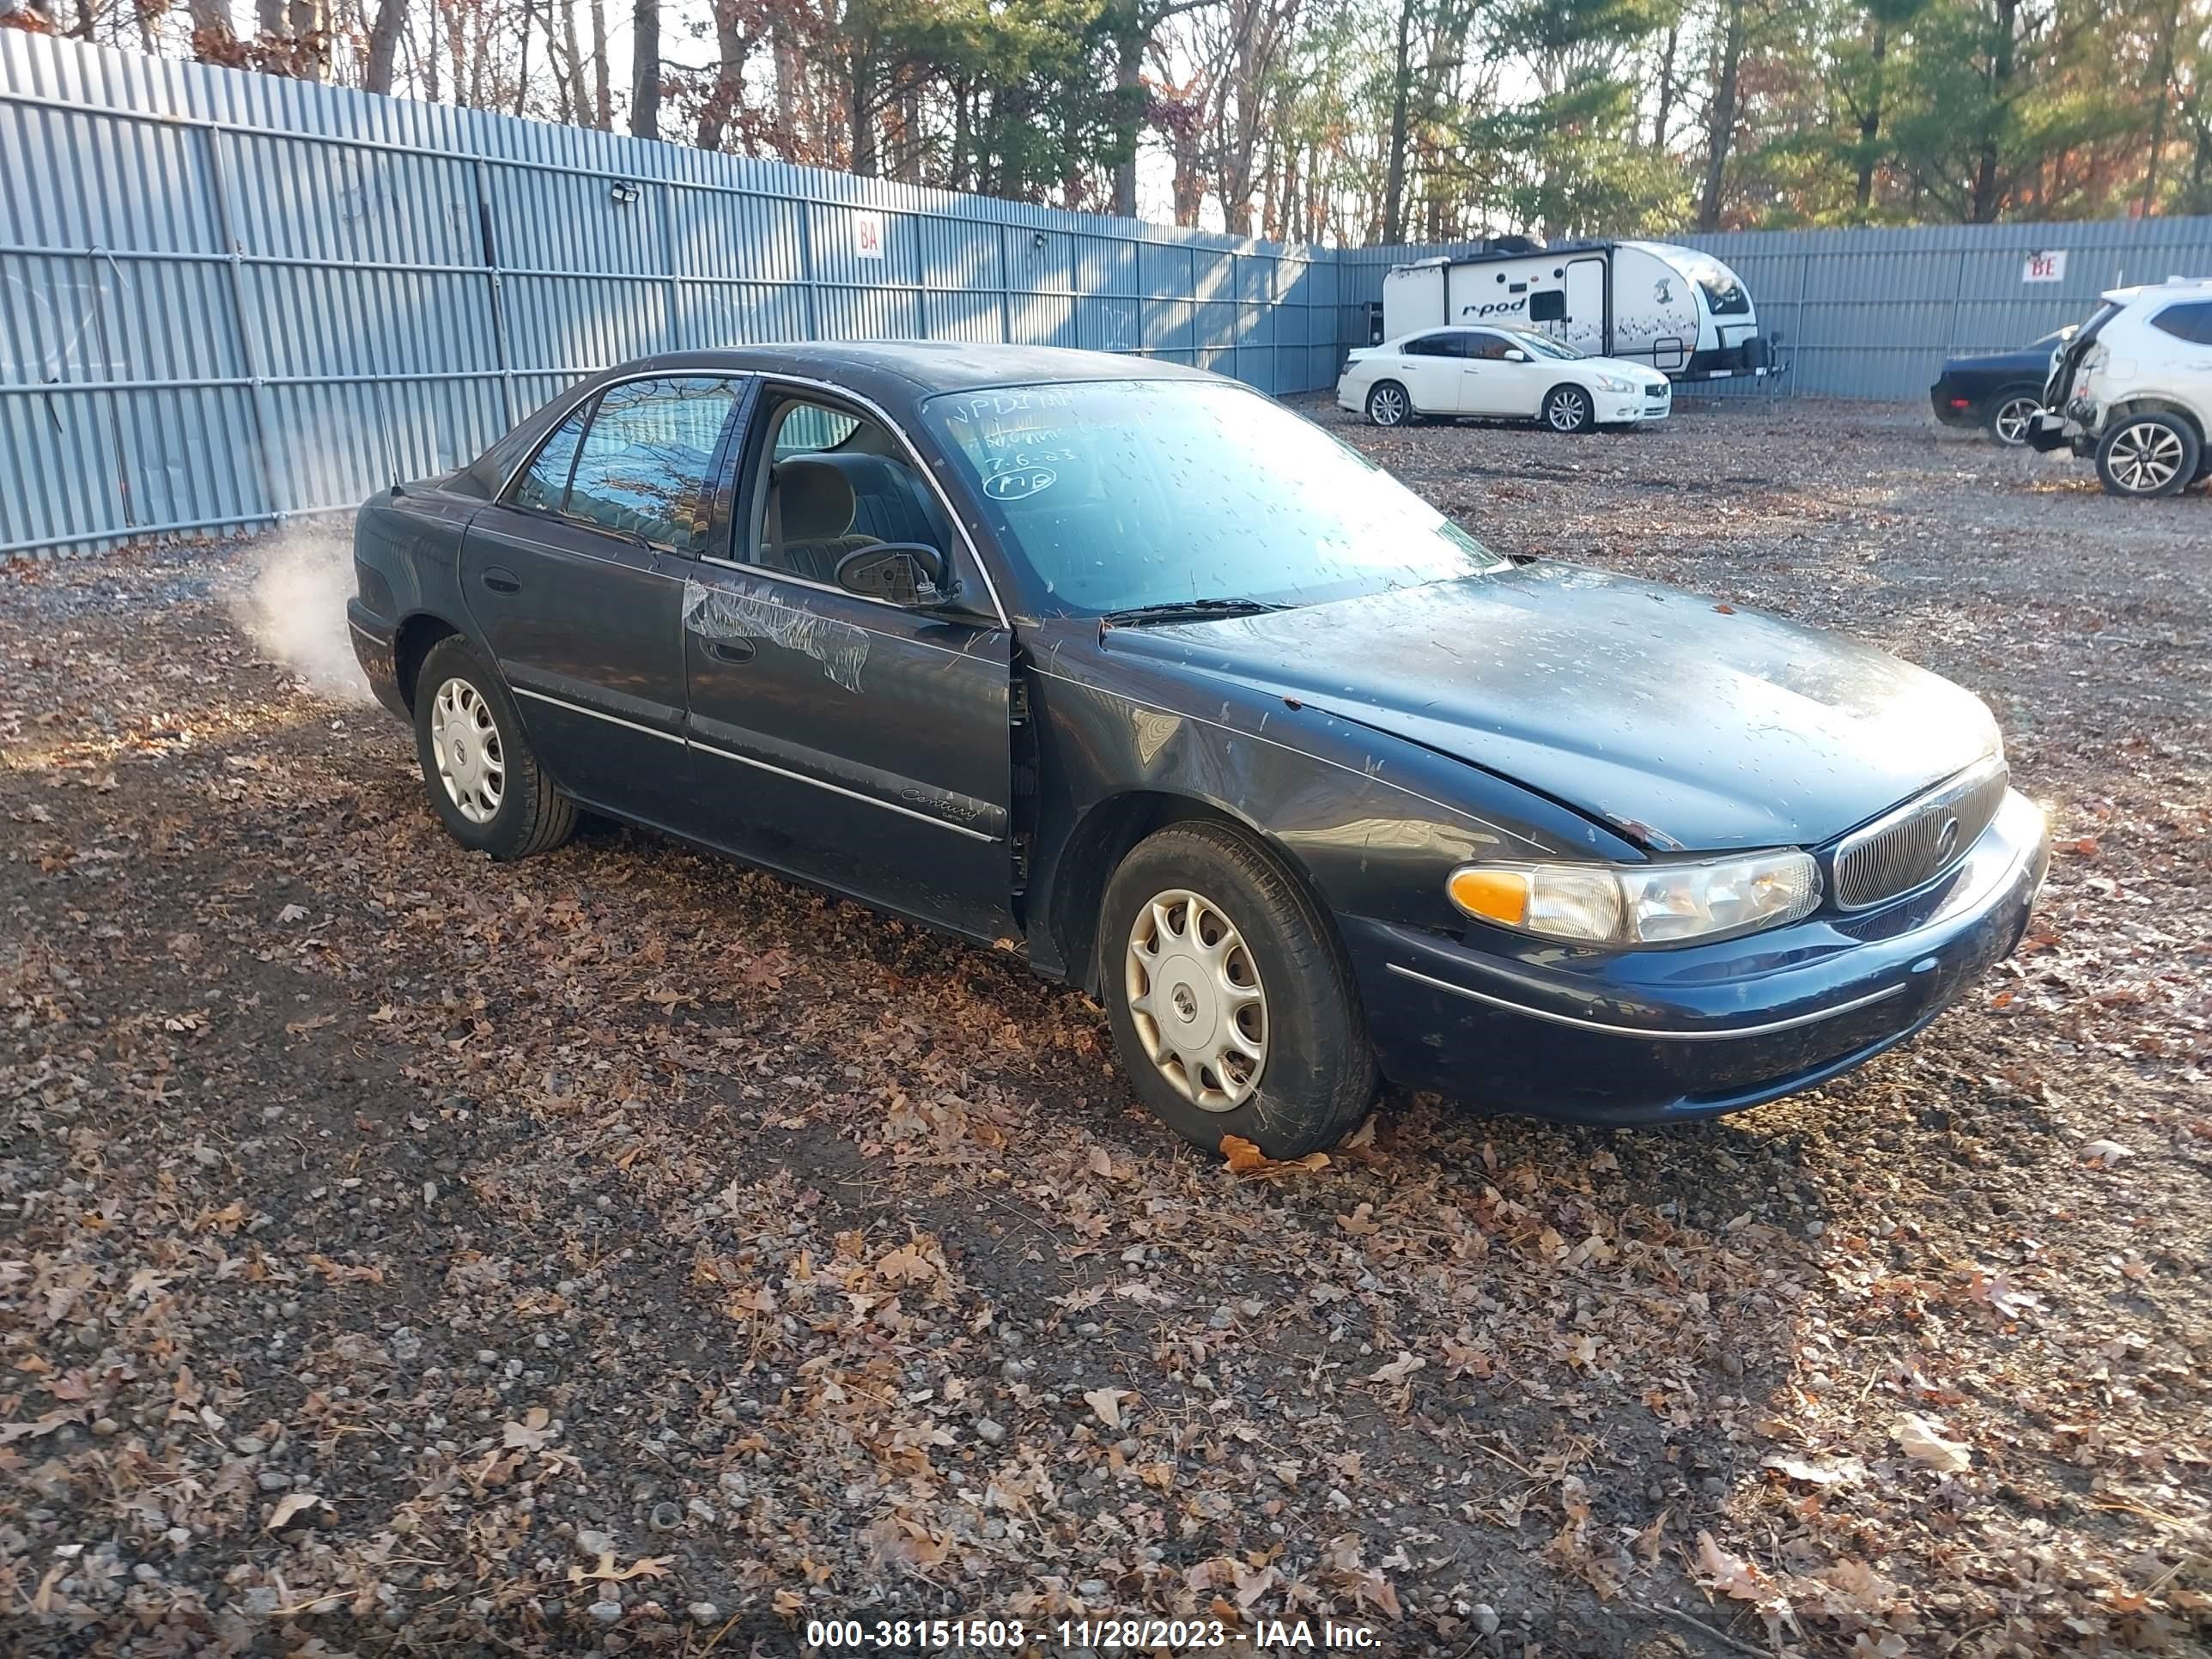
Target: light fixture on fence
(623, 193)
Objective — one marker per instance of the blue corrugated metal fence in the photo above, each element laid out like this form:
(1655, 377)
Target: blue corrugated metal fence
(228, 298)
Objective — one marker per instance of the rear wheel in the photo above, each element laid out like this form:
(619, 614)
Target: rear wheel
(1568, 409)
(2011, 413)
(2149, 454)
(481, 773)
(1388, 405)
(1232, 1009)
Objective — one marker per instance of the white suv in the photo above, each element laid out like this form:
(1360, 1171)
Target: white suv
(2134, 389)
(1506, 373)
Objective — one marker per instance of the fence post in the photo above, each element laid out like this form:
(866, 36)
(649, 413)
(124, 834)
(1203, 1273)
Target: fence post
(807, 267)
(489, 244)
(673, 289)
(921, 283)
(257, 390)
(1005, 288)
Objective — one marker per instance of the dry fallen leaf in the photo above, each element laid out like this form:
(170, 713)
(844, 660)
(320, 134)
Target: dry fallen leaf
(1107, 1402)
(2104, 1153)
(1922, 1443)
(290, 1505)
(531, 1434)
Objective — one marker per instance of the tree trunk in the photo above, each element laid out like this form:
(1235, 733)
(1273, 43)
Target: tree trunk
(213, 40)
(384, 45)
(580, 103)
(310, 31)
(270, 14)
(1401, 92)
(860, 116)
(522, 74)
(788, 73)
(1989, 193)
(732, 44)
(645, 69)
(1870, 120)
(602, 101)
(1668, 90)
(1129, 41)
(1720, 126)
(2170, 26)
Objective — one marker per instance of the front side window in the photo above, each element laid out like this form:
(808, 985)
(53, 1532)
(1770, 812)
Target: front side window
(1118, 495)
(643, 465)
(1491, 348)
(1436, 345)
(833, 483)
(2191, 321)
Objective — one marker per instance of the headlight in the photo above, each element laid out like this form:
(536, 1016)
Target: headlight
(1628, 904)
(1615, 383)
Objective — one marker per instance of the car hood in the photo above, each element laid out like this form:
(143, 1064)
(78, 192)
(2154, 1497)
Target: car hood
(1641, 374)
(1684, 724)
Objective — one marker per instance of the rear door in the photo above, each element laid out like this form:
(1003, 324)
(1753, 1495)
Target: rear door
(574, 578)
(839, 738)
(1430, 366)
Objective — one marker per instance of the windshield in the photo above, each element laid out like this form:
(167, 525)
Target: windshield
(1725, 296)
(1120, 495)
(1542, 345)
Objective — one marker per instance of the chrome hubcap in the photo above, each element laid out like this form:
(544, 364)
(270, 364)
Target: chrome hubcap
(2010, 423)
(1387, 406)
(472, 760)
(1195, 997)
(1565, 411)
(2146, 456)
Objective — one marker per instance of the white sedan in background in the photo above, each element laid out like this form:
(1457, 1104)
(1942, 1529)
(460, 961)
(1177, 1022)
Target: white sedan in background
(1504, 374)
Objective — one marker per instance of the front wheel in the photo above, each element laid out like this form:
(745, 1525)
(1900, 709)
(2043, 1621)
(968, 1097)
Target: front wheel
(2010, 415)
(2152, 454)
(481, 773)
(1388, 405)
(1232, 1009)
(1569, 408)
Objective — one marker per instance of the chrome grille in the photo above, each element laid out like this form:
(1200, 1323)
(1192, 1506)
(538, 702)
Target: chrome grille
(1918, 842)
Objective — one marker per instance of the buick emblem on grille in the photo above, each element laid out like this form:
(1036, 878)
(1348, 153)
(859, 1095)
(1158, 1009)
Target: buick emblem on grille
(1911, 846)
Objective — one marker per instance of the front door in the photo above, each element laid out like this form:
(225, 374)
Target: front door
(1492, 383)
(843, 739)
(574, 578)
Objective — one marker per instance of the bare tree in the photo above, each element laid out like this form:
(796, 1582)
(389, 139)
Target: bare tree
(1721, 116)
(383, 45)
(645, 69)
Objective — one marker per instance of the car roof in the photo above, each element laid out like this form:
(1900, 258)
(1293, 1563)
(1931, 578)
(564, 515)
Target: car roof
(899, 373)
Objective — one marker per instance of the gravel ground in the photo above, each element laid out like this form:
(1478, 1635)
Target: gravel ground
(622, 1252)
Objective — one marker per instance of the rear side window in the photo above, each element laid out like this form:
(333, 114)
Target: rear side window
(1437, 345)
(546, 480)
(643, 466)
(2191, 322)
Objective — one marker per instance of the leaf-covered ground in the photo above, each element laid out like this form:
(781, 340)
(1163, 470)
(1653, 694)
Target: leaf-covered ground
(621, 1251)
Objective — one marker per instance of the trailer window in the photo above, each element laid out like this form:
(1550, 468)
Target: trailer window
(1725, 296)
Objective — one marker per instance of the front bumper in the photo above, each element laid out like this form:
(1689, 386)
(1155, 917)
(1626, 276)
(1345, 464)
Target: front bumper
(1617, 407)
(1648, 1037)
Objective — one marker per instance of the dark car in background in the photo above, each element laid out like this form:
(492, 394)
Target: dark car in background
(1126, 669)
(2000, 391)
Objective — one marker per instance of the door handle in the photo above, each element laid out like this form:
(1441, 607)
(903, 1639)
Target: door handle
(501, 580)
(730, 650)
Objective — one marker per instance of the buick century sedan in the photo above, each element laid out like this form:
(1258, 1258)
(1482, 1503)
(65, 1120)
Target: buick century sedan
(1128, 669)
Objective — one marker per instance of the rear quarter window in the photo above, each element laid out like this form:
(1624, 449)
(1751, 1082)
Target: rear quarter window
(2190, 320)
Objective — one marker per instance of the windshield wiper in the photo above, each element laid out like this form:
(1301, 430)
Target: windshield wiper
(1185, 610)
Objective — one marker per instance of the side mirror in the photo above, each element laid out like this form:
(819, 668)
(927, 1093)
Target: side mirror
(910, 575)
(1515, 354)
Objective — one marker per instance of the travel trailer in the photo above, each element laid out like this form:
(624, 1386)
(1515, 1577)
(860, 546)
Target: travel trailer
(1682, 312)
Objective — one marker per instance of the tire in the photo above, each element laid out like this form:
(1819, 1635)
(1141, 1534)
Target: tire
(2008, 415)
(1389, 404)
(1314, 1077)
(492, 794)
(2153, 453)
(1568, 409)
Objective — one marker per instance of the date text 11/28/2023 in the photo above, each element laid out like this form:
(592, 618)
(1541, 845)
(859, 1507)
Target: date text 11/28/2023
(1097, 1635)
